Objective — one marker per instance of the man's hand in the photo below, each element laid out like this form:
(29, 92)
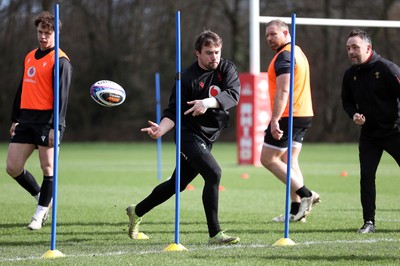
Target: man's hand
(201, 106)
(51, 137)
(359, 119)
(12, 129)
(154, 130)
(198, 108)
(276, 132)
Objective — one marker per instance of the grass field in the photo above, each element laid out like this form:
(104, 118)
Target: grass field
(97, 181)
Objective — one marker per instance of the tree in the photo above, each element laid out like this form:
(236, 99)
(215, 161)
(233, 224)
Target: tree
(128, 41)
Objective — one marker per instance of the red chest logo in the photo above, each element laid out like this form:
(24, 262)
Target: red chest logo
(31, 71)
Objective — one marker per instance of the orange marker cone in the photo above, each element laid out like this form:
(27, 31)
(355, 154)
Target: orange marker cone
(245, 176)
(190, 187)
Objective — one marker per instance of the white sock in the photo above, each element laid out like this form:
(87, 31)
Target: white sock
(40, 211)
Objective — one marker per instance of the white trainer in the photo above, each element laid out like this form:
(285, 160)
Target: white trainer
(36, 224)
(47, 213)
(281, 219)
(306, 205)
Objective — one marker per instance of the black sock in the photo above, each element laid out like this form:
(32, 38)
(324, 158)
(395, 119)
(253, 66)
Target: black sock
(294, 208)
(46, 192)
(304, 192)
(28, 182)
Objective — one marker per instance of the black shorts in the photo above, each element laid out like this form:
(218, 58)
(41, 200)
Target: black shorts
(37, 134)
(298, 134)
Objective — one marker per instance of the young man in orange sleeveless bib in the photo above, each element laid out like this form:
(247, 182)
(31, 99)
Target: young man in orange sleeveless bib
(32, 117)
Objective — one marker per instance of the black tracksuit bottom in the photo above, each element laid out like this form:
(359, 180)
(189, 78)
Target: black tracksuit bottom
(195, 159)
(370, 153)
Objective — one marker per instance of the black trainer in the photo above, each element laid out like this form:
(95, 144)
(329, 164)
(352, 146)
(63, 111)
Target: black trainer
(367, 228)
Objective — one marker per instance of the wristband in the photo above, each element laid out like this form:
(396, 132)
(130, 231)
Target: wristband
(210, 102)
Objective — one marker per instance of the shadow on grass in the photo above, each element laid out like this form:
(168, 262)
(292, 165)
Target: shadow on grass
(359, 210)
(351, 230)
(350, 259)
(98, 223)
(14, 225)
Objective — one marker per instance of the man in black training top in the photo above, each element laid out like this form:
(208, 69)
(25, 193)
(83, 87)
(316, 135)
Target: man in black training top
(210, 86)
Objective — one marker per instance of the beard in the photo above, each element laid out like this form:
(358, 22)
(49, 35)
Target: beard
(355, 60)
(212, 65)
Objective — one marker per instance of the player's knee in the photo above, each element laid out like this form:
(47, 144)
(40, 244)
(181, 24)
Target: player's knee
(215, 174)
(270, 163)
(13, 171)
(218, 173)
(267, 163)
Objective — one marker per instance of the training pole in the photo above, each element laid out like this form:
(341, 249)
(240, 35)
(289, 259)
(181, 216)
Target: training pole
(177, 246)
(158, 118)
(286, 241)
(53, 253)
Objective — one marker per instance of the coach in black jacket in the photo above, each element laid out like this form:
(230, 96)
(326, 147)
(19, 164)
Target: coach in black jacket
(370, 96)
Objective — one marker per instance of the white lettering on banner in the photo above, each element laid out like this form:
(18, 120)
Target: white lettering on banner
(246, 89)
(246, 122)
(263, 89)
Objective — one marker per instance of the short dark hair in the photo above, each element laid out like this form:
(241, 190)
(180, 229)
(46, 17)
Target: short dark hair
(362, 34)
(280, 23)
(207, 38)
(47, 20)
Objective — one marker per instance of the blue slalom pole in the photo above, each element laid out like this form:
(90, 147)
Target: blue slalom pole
(158, 118)
(178, 124)
(290, 125)
(55, 123)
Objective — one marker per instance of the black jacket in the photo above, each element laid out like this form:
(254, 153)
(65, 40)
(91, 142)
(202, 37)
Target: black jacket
(373, 89)
(197, 84)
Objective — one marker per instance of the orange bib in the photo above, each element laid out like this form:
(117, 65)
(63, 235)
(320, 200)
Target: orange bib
(37, 85)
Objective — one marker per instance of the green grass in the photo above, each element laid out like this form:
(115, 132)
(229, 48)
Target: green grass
(97, 181)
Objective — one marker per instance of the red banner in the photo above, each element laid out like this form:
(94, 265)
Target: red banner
(253, 115)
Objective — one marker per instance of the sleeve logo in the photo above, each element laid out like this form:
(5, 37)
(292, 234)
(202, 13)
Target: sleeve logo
(214, 91)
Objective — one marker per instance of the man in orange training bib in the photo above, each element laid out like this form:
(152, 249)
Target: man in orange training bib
(32, 117)
(274, 150)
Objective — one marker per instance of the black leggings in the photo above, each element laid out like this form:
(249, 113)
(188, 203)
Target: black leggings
(205, 165)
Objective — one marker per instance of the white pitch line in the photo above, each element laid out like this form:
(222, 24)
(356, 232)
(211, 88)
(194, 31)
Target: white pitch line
(352, 241)
(214, 247)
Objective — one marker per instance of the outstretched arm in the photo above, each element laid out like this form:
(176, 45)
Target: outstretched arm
(156, 131)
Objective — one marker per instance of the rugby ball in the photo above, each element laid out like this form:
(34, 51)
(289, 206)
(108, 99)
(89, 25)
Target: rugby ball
(107, 93)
